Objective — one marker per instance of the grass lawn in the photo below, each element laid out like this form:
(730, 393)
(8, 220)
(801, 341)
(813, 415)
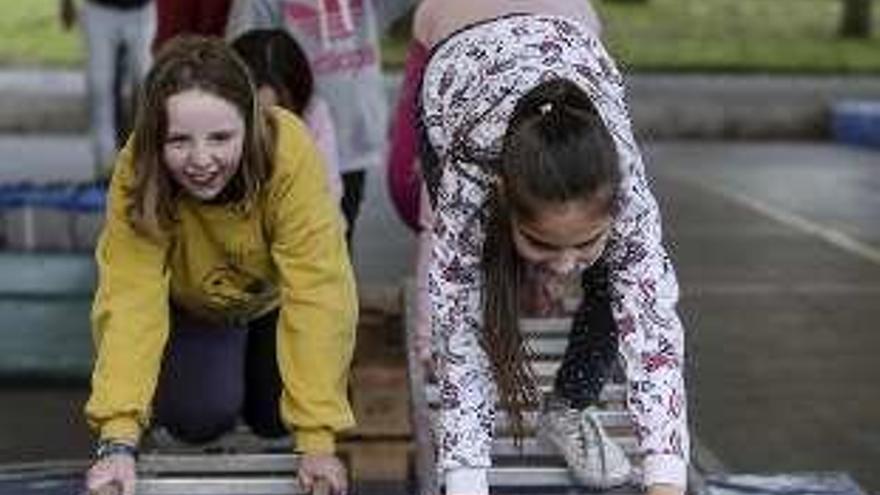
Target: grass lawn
(736, 35)
(31, 35)
(659, 35)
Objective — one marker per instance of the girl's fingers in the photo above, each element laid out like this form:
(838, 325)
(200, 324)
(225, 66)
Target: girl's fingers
(109, 488)
(97, 478)
(305, 481)
(322, 487)
(128, 487)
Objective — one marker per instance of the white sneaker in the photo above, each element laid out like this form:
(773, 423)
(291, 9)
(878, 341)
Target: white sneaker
(592, 456)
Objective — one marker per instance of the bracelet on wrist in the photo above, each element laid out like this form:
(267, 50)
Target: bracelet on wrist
(106, 448)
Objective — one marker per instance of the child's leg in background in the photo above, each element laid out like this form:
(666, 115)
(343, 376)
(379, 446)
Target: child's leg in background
(137, 36)
(101, 39)
(352, 197)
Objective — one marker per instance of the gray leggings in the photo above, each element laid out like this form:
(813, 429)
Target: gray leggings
(212, 375)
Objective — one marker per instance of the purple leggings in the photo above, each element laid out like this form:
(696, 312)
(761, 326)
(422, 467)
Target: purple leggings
(212, 375)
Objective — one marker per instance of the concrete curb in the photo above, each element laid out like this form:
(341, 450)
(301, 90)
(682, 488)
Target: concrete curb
(42, 101)
(741, 106)
(724, 106)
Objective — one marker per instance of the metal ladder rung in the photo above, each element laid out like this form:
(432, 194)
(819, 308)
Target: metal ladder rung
(544, 326)
(219, 486)
(531, 447)
(549, 347)
(544, 477)
(610, 420)
(228, 464)
(611, 394)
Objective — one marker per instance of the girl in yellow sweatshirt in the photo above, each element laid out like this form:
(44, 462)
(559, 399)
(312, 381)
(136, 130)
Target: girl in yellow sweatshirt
(225, 289)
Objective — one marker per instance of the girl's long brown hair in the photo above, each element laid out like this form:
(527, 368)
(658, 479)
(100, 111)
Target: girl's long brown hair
(209, 65)
(556, 149)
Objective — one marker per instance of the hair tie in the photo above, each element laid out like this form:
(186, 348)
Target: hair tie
(545, 108)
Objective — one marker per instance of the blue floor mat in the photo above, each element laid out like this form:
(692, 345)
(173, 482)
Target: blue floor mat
(831, 483)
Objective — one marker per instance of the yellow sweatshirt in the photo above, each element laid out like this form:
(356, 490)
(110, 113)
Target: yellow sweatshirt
(289, 251)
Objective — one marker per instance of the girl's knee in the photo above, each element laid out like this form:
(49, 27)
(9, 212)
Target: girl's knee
(199, 432)
(265, 423)
(202, 426)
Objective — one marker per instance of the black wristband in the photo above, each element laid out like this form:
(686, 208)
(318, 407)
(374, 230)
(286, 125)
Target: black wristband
(106, 448)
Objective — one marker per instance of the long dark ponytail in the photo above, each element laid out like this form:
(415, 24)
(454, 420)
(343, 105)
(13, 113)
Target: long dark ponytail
(556, 149)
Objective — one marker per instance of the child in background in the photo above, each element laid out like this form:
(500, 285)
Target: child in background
(283, 77)
(341, 40)
(225, 291)
(112, 28)
(201, 17)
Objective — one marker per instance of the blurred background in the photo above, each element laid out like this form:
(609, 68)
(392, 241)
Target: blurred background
(760, 122)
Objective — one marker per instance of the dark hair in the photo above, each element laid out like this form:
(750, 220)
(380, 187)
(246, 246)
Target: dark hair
(556, 149)
(276, 60)
(206, 64)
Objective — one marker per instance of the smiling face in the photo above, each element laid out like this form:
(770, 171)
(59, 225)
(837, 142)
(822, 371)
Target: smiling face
(564, 237)
(204, 141)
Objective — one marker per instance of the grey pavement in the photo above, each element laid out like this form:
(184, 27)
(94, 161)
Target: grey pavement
(779, 263)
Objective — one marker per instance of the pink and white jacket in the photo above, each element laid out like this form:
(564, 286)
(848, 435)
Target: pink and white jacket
(471, 84)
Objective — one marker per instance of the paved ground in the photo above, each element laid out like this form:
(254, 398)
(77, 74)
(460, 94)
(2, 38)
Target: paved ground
(778, 251)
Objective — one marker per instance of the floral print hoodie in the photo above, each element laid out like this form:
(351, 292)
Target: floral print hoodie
(471, 85)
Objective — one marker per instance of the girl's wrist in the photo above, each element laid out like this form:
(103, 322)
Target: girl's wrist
(109, 446)
(664, 489)
(470, 481)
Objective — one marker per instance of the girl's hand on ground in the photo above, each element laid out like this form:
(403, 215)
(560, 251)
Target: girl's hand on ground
(118, 470)
(327, 467)
(662, 489)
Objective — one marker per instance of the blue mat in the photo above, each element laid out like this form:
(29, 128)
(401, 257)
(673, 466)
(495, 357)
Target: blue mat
(856, 122)
(831, 483)
(74, 197)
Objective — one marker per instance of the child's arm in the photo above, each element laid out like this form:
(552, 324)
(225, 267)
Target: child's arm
(454, 281)
(404, 179)
(316, 326)
(645, 293)
(644, 298)
(129, 317)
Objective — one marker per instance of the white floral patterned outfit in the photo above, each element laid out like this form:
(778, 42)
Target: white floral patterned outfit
(469, 90)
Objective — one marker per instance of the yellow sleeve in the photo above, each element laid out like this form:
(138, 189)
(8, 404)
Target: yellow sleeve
(318, 300)
(129, 318)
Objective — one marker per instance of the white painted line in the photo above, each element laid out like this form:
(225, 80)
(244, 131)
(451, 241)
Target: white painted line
(820, 288)
(793, 220)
